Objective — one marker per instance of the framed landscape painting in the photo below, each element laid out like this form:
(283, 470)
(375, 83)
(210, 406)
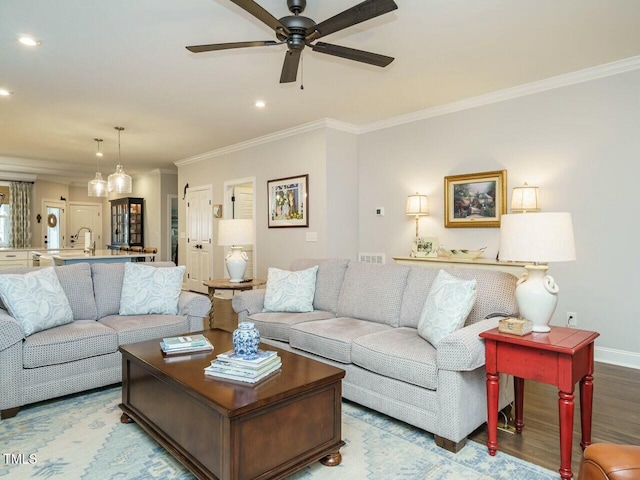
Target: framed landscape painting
(475, 200)
(288, 202)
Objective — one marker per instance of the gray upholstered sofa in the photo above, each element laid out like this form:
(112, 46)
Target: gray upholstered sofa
(365, 321)
(82, 354)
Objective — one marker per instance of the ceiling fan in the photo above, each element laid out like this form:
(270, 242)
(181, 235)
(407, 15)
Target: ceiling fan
(298, 31)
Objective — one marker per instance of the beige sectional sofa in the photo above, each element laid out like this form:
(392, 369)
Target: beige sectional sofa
(82, 354)
(365, 319)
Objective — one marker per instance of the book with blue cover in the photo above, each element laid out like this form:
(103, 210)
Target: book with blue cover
(261, 357)
(186, 341)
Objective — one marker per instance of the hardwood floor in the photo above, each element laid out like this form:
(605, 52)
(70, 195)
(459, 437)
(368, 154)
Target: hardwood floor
(616, 411)
(616, 418)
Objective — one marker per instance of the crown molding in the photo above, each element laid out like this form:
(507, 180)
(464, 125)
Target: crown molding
(579, 76)
(271, 137)
(17, 177)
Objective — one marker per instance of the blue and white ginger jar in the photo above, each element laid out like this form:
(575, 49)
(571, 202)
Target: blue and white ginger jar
(246, 339)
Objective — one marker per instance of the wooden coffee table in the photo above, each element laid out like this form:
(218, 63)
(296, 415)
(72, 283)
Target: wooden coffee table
(226, 430)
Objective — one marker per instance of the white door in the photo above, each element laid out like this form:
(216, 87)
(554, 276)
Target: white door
(199, 238)
(242, 207)
(53, 231)
(82, 218)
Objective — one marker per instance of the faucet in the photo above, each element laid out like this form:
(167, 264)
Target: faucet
(92, 247)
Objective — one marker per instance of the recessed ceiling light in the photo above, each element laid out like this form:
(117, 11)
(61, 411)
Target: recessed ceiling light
(260, 104)
(4, 93)
(29, 41)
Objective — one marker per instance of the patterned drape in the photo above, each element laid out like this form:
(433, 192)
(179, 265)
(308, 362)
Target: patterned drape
(20, 205)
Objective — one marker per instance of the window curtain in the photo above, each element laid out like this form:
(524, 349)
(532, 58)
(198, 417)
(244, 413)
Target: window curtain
(20, 205)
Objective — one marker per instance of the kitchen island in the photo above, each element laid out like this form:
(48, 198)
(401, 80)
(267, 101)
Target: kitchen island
(67, 257)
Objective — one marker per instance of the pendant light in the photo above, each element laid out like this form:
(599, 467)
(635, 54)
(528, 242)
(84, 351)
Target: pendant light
(119, 182)
(97, 187)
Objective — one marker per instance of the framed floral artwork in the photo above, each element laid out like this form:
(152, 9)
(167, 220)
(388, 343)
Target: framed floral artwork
(288, 200)
(475, 200)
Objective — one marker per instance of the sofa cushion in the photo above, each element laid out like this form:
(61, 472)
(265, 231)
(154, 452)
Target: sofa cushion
(290, 291)
(329, 280)
(373, 292)
(398, 353)
(138, 328)
(447, 307)
(332, 338)
(68, 343)
(275, 325)
(495, 294)
(107, 285)
(147, 290)
(77, 284)
(36, 299)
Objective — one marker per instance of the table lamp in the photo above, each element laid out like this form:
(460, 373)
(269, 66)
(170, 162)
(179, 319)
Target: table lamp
(234, 233)
(417, 205)
(539, 238)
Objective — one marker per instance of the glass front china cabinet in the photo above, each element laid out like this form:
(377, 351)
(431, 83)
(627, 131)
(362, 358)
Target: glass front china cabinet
(127, 222)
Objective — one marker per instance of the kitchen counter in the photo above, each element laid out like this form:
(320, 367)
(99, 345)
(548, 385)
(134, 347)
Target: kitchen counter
(67, 257)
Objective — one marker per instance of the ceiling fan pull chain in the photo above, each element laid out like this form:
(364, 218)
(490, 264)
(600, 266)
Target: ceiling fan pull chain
(302, 71)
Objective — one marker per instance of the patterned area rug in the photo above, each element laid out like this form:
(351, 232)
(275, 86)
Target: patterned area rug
(81, 437)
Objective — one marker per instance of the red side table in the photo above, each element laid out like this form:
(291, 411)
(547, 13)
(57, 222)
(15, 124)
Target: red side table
(560, 357)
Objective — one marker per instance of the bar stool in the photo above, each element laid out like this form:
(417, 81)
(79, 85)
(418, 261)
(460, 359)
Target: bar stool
(151, 250)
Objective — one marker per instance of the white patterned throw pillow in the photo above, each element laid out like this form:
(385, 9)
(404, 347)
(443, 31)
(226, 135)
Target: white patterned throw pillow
(290, 291)
(447, 307)
(36, 299)
(150, 290)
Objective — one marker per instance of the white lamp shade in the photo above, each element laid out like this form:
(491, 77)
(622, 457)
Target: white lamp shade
(417, 205)
(97, 187)
(235, 232)
(537, 237)
(525, 199)
(119, 181)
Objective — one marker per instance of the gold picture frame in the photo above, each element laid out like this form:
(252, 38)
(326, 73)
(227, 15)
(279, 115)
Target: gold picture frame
(475, 200)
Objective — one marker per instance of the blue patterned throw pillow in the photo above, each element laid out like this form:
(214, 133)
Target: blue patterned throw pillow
(290, 291)
(36, 299)
(447, 307)
(150, 290)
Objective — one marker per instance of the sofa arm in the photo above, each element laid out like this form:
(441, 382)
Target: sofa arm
(248, 302)
(193, 304)
(463, 350)
(11, 331)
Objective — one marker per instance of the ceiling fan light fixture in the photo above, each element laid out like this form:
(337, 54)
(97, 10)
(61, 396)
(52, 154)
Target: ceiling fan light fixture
(119, 181)
(98, 186)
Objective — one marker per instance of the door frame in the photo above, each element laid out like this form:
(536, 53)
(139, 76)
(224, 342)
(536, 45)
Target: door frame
(171, 197)
(226, 212)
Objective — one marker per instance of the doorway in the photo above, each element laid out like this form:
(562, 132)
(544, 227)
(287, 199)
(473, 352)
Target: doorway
(53, 231)
(199, 246)
(172, 231)
(85, 217)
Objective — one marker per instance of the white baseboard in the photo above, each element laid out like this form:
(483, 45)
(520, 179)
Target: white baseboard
(617, 357)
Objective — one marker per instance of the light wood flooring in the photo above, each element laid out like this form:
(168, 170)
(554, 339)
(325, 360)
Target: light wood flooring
(616, 411)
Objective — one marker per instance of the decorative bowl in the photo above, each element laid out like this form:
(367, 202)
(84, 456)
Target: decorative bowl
(461, 253)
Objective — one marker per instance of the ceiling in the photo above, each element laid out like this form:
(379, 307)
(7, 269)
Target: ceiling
(123, 63)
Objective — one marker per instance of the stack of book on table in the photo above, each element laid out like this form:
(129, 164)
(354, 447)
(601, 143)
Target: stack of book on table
(186, 344)
(252, 369)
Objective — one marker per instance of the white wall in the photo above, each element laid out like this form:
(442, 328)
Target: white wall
(330, 159)
(579, 144)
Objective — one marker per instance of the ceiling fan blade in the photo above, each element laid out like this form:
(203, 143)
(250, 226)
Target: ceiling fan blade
(227, 46)
(364, 11)
(261, 14)
(290, 66)
(352, 54)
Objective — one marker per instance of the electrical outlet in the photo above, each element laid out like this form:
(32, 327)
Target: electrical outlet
(572, 319)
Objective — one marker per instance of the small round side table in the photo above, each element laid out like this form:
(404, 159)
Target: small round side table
(225, 284)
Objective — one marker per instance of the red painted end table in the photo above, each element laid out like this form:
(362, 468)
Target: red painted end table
(560, 357)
